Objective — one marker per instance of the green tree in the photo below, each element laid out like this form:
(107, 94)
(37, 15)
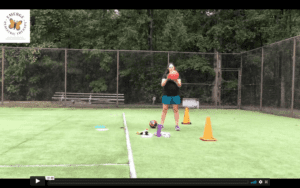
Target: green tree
(201, 30)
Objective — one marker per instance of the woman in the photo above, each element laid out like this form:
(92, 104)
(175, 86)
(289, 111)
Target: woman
(171, 95)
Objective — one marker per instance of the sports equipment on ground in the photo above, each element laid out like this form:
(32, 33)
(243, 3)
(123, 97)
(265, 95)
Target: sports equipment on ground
(153, 124)
(158, 133)
(164, 134)
(207, 135)
(150, 135)
(186, 118)
(145, 132)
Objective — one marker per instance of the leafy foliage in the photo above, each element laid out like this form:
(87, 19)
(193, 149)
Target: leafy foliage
(202, 30)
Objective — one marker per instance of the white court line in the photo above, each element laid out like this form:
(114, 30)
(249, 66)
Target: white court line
(130, 156)
(63, 165)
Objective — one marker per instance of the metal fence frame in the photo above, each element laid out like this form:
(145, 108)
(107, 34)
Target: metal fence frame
(239, 99)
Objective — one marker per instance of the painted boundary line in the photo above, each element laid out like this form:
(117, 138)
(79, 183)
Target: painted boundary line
(130, 156)
(63, 165)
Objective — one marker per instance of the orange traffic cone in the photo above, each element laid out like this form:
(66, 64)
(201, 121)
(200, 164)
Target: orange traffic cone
(207, 135)
(186, 119)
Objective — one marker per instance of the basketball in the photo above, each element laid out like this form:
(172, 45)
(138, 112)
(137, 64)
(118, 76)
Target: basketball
(153, 124)
(173, 76)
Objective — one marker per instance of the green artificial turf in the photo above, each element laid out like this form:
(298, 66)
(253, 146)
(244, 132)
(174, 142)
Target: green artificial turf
(249, 144)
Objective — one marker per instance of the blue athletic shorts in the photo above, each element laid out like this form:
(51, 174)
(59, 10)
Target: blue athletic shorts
(171, 99)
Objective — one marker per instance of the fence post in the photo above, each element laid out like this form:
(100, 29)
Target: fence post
(2, 98)
(118, 78)
(262, 77)
(215, 86)
(65, 74)
(240, 84)
(219, 56)
(293, 79)
(217, 83)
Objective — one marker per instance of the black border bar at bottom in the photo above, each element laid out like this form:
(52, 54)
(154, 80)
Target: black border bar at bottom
(163, 182)
(24, 182)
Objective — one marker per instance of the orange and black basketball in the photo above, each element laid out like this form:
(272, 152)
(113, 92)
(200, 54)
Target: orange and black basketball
(153, 124)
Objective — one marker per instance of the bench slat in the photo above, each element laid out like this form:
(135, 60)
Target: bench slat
(60, 93)
(113, 102)
(95, 99)
(91, 96)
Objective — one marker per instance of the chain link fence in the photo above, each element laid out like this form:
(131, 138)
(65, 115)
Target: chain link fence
(263, 78)
(32, 74)
(195, 68)
(140, 76)
(270, 80)
(251, 78)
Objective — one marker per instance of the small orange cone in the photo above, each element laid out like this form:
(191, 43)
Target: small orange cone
(186, 119)
(207, 135)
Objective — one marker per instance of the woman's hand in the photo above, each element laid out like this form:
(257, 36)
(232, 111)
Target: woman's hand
(178, 82)
(163, 82)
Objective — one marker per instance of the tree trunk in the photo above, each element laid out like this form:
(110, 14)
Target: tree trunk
(150, 14)
(103, 12)
(216, 90)
(290, 21)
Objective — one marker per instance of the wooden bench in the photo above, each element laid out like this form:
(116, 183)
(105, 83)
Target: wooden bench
(90, 98)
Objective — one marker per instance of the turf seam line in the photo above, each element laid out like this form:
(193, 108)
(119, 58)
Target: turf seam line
(130, 156)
